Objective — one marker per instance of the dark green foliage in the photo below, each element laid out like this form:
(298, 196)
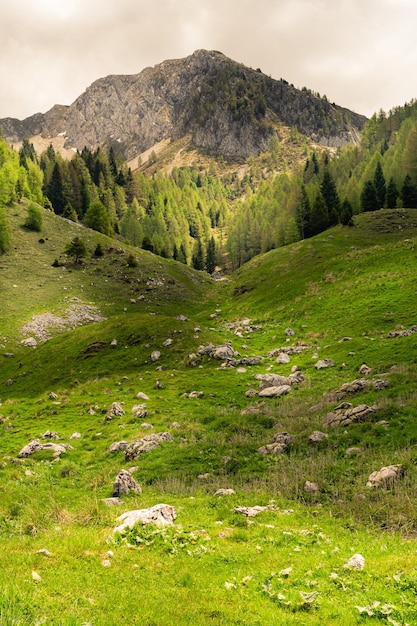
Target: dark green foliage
(369, 198)
(346, 213)
(392, 194)
(211, 256)
(34, 218)
(319, 217)
(409, 193)
(98, 252)
(76, 249)
(54, 190)
(198, 256)
(380, 186)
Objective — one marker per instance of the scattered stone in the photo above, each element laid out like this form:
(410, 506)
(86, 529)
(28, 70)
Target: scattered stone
(353, 451)
(402, 333)
(280, 444)
(53, 396)
(364, 370)
(250, 393)
(289, 332)
(117, 446)
(253, 511)
(356, 562)
(360, 413)
(112, 501)
(50, 434)
(155, 356)
(182, 318)
(317, 436)
(175, 425)
(380, 384)
(323, 363)
(146, 444)
(224, 492)
(106, 563)
(36, 577)
(253, 410)
(385, 477)
(159, 385)
(310, 487)
(142, 396)
(275, 392)
(283, 358)
(205, 476)
(146, 426)
(116, 410)
(196, 394)
(160, 514)
(9, 355)
(30, 342)
(36, 446)
(124, 483)
(140, 411)
(113, 343)
(76, 436)
(44, 552)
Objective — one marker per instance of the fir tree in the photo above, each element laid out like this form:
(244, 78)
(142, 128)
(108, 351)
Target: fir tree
(211, 256)
(369, 198)
(380, 187)
(392, 194)
(198, 256)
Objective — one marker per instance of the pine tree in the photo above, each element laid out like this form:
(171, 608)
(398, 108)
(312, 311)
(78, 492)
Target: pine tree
(331, 198)
(409, 193)
(198, 257)
(211, 256)
(76, 249)
(380, 187)
(369, 198)
(55, 190)
(392, 194)
(319, 215)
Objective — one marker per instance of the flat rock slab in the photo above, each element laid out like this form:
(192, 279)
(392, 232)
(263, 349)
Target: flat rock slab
(160, 514)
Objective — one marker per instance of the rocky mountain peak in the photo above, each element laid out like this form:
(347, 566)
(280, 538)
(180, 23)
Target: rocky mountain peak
(225, 108)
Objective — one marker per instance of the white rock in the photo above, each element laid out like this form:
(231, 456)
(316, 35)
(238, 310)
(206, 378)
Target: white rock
(356, 561)
(160, 514)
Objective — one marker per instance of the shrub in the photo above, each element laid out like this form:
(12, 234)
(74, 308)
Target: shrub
(34, 218)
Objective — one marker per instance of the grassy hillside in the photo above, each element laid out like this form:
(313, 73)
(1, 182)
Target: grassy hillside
(341, 294)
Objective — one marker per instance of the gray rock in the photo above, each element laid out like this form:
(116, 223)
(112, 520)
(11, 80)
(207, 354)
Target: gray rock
(283, 358)
(30, 342)
(50, 434)
(289, 332)
(356, 562)
(117, 446)
(36, 446)
(310, 487)
(317, 436)
(112, 501)
(323, 363)
(146, 444)
(116, 410)
(225, 492)
(364, 370)
(124, 483)
(360, 413)
(160, 514)
(275, 392)
(142, 396)
(385, 477)
(155, 356)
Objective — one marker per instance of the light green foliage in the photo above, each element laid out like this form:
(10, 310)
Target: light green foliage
(33, 220)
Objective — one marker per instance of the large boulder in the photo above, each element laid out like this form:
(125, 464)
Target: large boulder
(355, 414)
(275, 392)
(36, 446)
(124, 483)
(160, 514)
(146, 444)
(385, 477)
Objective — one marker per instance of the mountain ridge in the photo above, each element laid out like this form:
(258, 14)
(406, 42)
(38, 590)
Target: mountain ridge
(228, 109)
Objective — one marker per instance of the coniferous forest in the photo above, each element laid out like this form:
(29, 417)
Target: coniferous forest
(215, 216)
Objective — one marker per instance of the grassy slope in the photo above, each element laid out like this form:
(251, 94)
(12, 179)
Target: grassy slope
(357, 282)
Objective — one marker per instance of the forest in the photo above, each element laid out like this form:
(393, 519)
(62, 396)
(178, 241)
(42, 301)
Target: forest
(211, 217)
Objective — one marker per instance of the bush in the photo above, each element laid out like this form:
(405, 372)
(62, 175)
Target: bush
(34, 218)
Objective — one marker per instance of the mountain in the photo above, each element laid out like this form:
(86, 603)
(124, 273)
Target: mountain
(218, 106)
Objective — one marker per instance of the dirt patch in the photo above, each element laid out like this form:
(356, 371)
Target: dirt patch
(45, 325)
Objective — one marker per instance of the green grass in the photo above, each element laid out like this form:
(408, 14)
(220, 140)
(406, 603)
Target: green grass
(348, 282)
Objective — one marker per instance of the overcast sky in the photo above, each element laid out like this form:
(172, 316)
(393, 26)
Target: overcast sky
(361, 53)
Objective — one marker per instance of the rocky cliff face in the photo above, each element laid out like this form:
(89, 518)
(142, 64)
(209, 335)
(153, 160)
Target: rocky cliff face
(226, 108)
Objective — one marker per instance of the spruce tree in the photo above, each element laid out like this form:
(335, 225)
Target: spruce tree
(211, 256)
(380, 186)
(392, 194)
(369, 198)
(409, 193)
(198, 257)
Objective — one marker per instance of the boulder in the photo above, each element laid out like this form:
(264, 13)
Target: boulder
(115, 410)
(140, 411)
(142, 396)
(275, 392)
(356, 561)
(385, 477)
(283, 358)
(30, 342)
(160, 514)
(155, 356)
(124, 483)
(364, 370)
(323, 363)
(253, 511)
(224, 492)
(310, 487)
(280, 444)
(146, 444)
(317, 436)
(50, 434)
(117, 446)
(340, 417)
(36, 446)
(223, 352)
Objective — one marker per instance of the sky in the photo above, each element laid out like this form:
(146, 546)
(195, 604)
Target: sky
(361, 54)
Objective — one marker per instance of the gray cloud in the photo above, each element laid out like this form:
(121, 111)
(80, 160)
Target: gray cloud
(360, 53)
